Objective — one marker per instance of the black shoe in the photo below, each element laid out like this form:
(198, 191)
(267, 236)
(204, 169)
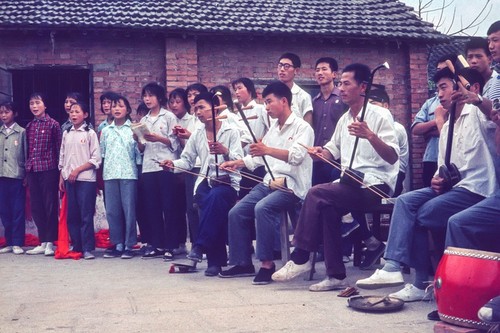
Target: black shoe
(113, 254)
(264, 276)
(155, 253)
(110, 249)
(127, 254)
(490, 312)
(168, 255)
(196, 254)
(348, 228)
(213, 271)
(433, 316)
(238, 271)
(371, 257)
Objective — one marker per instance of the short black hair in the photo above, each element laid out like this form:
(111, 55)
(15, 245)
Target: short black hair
(199, 87)
(477, 43)
(111, 95)
(75, 95)
(293, 58)
(278, 89)
(85, 108)
(493, 28)
(182, 94)
(117, 97)
(10, 105)
(443, 73)
(207, 97)
(450, 56)
(334, 66)
(378, 94)
(248, 84)
(38, 95)
(470, 74)
(142, 109)
(225, 95)
(157, 90)
(361, 72)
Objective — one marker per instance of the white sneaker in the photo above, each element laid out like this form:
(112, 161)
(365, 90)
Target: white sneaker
(40, 249)
(49, 250)
(290, 271)
(410, 293)
(329, 283)
(17, 250)
(6, 249)
(381, 279)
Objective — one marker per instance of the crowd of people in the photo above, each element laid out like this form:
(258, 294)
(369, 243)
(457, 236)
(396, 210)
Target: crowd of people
(224, 172)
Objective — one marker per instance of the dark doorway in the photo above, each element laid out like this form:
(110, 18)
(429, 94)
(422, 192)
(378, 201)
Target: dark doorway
(54, 82)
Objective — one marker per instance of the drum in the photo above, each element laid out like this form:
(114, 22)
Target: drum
(465, 280)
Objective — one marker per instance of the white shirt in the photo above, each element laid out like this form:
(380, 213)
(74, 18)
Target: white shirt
(470, 151)
(298, 169)
(197, 146)
(301, 101)
(189, 122)
(161, 124)
(234, 121)
(259, 126)
(367, 160)
(78, 147)
(403, 146)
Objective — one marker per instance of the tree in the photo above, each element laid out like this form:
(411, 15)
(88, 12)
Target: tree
(434, 12)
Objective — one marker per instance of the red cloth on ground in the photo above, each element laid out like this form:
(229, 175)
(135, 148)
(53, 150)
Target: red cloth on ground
(29, 240)
(62, 251)
(102, 239)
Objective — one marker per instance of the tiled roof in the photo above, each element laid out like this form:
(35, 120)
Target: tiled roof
(386, 19)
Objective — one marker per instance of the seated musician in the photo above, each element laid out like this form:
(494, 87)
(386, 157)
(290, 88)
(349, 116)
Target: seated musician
(325, 204)
(287, 161)
(214, 197)
(428, 209)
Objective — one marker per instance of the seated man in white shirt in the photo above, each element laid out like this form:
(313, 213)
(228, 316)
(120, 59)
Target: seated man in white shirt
(428, 209)
(287, 161)
(376, 157)
(288, 67)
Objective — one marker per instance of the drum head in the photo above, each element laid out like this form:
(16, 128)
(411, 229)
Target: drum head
(375, 303)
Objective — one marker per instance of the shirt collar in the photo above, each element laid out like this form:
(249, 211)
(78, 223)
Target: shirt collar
(80, 129)
(161, 113)
(335, 93)
(295, 88)
(127, 123)
(44, 118)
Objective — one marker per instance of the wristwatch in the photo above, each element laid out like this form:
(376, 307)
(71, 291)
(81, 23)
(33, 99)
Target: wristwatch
(479, 100)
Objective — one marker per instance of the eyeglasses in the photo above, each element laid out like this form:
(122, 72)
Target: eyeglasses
(285, 66)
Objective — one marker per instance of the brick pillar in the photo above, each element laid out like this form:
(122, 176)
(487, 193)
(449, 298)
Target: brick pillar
(181, 61)
(418, 95)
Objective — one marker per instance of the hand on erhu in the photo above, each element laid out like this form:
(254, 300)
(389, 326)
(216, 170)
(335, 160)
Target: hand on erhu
(258, 149)
(217, 148)
(438, 184)
(166, 165)
(360, 129)
(316, 153)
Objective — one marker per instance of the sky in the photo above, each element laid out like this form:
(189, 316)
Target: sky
(466, 10)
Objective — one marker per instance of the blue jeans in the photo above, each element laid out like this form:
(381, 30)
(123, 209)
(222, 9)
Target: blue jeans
(266, 208)
(12, 200)
(120, 211)
(477, 227)
(214, 204)
(81, 198)
(192, 211)
(417, 212)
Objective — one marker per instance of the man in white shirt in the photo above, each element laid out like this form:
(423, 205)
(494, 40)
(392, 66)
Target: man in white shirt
(289, 164)
(376, 157)
(428, 209)
(288, 67)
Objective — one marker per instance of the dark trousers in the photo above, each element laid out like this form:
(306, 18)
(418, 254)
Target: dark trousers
(144, 228)
(323, 173)
(81, 197)
(12, 201)
(321, 217)
(192, 212)
(429, 169)
(179, 213)
(158, 208)
(214, 204)
(44, 187)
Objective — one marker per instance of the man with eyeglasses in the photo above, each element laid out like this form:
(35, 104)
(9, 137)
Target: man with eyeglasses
(288, 67)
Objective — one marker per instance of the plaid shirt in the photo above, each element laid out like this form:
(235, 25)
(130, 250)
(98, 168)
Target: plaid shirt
(44, 142)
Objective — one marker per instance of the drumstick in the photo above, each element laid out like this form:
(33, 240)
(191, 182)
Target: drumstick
(251, 118)
(338, 166)
(225, 117)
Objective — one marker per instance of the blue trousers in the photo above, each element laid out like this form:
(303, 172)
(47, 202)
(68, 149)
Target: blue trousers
(12, 201)
(417, 212)
(477, 227)
(214, 204)
(121, 195)
(264, 208)
(192, 211)
(81, 198)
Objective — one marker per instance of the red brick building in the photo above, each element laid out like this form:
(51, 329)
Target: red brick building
(92, 46)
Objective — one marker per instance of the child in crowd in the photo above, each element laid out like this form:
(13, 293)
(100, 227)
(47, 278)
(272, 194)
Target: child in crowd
(71, 98)
(106, 99)
(44, 142)
(214, 198)
(161, 144)
(192, 91)
(120, 154)
(186, 124)
(12, 173)
(79, 157)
